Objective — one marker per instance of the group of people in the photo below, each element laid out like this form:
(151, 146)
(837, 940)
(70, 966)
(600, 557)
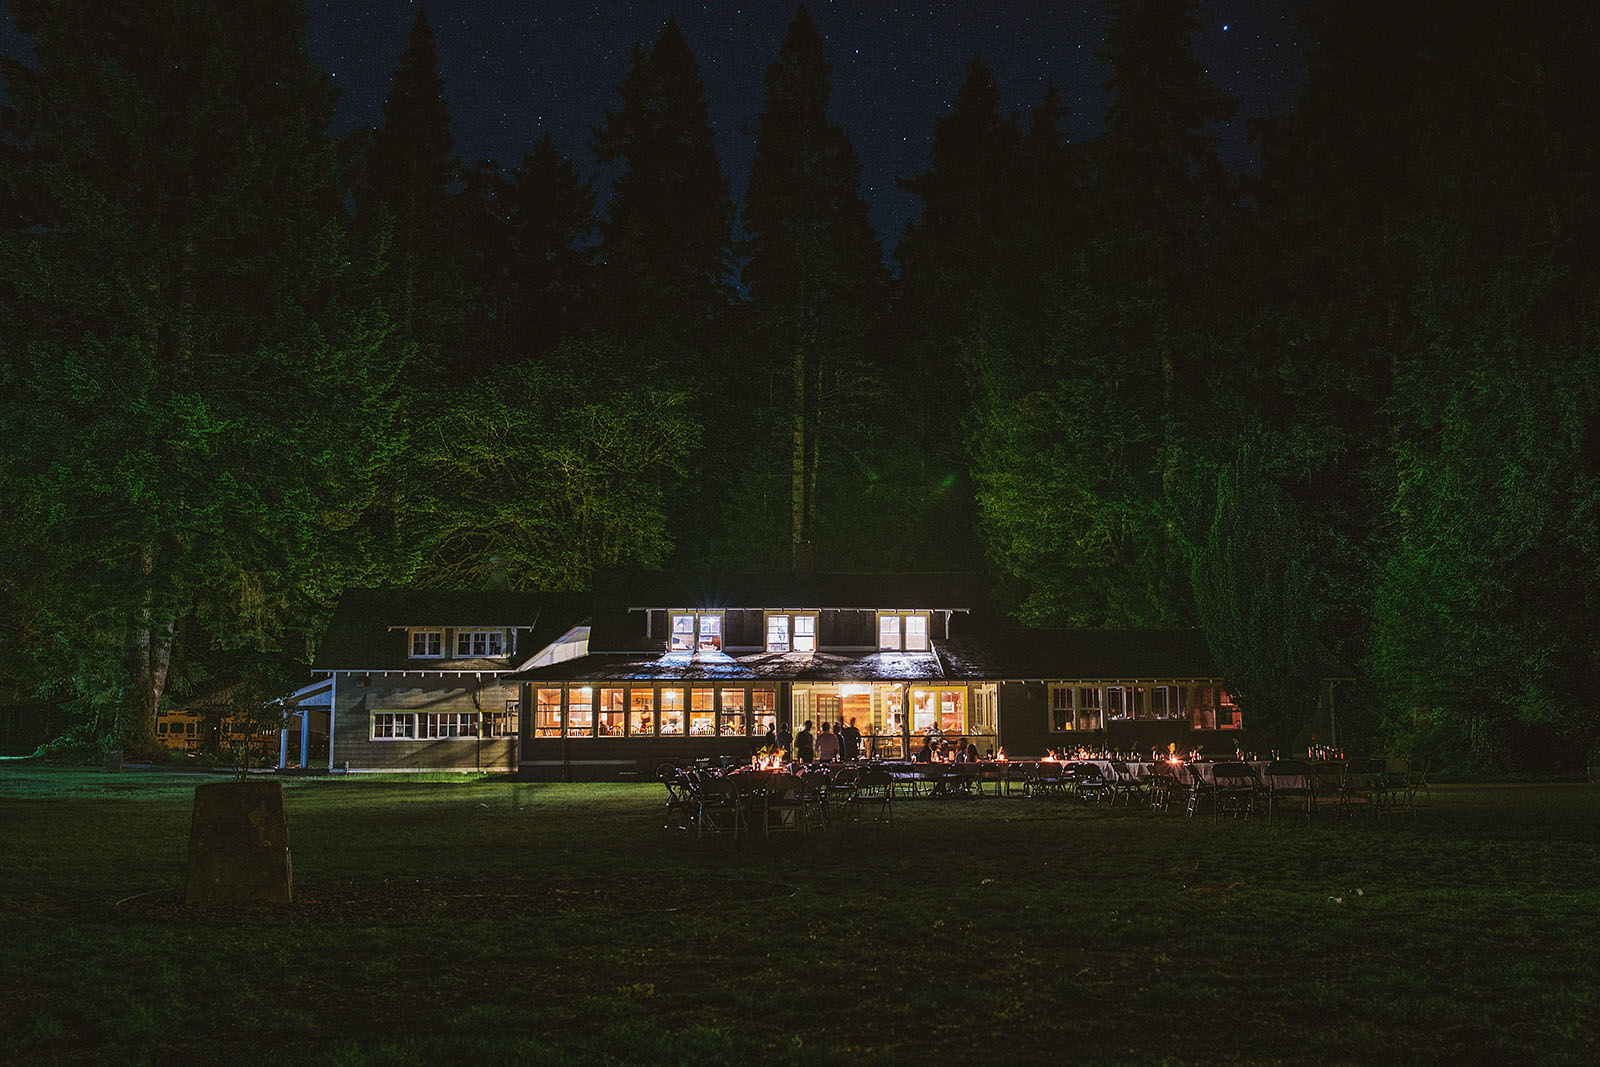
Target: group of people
(939, 748)
(834, 741)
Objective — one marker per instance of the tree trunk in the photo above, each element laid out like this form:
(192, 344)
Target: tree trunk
(798, 504)
(152, 654)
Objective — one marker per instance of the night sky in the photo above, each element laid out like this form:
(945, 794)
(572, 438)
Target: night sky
(515, 69)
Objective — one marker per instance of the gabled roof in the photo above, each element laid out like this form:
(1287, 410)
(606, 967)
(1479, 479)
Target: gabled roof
(368, 628)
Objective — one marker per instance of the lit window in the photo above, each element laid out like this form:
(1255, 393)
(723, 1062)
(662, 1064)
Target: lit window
(889, 632)
(642, 713)
(1089, 716)
(610, 712)
(580, 711)
(702, 713)
(791, 633)
(394, 725)
(427, 644)
(732, 724)
(902, 630)
(480, 642)
(695, 631)
(777, 633)
(547, 713)
(916, 633)
(672, 711)
(764, 705)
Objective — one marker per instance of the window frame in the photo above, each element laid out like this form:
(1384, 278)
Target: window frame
(393, 720)
(697, 637)
(792, 629)
(424, 633)
(447, 725)
(902, 636)
(490, 638)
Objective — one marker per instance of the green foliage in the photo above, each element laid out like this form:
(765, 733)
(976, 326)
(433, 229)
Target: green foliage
(184, 380)
(1255, 587)
(531, 471)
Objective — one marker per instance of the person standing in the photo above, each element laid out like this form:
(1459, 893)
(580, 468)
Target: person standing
(828, 744)
(805, 744)
(850, 745)
(783, 740)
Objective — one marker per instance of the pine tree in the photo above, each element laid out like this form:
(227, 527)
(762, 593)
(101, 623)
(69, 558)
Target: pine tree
(815, 270)
(666, 241)
(532, 261)
(410, 204)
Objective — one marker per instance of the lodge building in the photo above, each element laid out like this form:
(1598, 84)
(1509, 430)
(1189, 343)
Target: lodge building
(662, 668)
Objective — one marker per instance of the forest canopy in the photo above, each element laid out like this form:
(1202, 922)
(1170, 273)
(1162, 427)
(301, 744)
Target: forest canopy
(1349, 400)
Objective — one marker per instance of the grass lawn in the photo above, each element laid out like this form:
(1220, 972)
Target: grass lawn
(489, 921)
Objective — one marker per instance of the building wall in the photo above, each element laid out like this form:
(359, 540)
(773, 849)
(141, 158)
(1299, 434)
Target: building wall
(358, 696)
(1022, 719)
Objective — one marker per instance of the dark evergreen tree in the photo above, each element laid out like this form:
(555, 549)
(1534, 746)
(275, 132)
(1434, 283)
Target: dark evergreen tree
(204, 423)
(666, 241)
(532, 261)
(815, 273)
(410, 204)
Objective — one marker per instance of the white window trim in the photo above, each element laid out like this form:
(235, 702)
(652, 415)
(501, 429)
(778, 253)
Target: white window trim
(488, 636)
(461, 718)
(792, 628)
(411, 642)
(694, 640)
(395, 717)
(901, 617)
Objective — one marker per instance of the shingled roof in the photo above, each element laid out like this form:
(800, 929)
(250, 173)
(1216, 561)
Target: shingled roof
(367, 631)
(821, 667)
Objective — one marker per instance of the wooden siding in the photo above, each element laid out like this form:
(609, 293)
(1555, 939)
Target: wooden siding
(354, 745)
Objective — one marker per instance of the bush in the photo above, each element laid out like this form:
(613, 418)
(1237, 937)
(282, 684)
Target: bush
(82, 743)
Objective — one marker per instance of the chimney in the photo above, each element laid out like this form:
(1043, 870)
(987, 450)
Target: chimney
(498, 578)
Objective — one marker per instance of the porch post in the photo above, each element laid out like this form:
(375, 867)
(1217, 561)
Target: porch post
(283, 747)
(305, 738)
(333, 704)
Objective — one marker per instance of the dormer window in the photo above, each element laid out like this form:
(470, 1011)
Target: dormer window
(695, 631)
(791, 632)
(427, 644)
(902, 631)
(478, 643)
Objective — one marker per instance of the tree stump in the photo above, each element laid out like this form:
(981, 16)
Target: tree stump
(238, 845)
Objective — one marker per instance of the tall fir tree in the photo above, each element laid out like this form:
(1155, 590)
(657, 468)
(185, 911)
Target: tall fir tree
(531, 261)
(409, 203)
(814, 273)
(666, 241)
(204, 422)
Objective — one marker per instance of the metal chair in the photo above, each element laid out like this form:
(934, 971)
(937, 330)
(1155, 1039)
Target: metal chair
(1233, 788)
(1289, 782)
